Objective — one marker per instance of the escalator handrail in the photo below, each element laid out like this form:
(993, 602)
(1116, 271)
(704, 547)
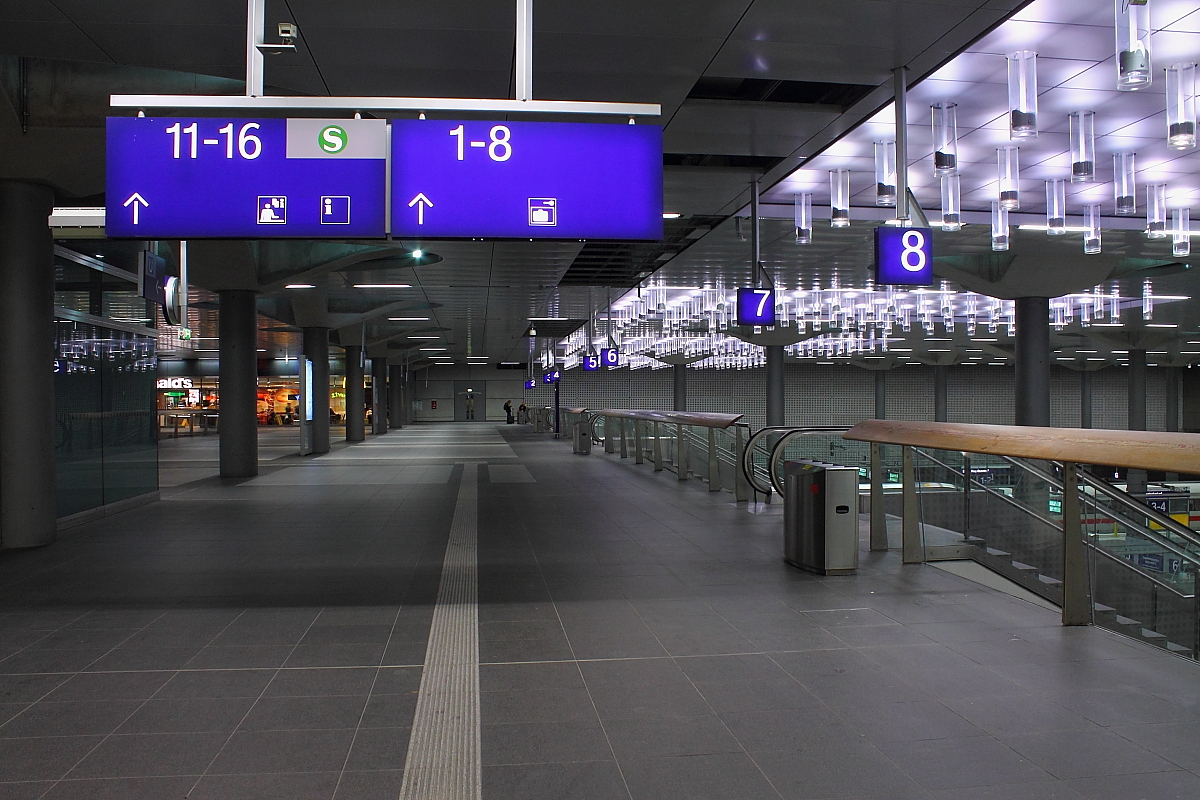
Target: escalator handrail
(747, 454)
(775, 459)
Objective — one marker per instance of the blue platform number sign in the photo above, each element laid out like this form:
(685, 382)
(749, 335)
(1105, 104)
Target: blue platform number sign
(591, 363)
(531, 383)
(610, 357)
(755, 306)
(551, 377)
(903, 256)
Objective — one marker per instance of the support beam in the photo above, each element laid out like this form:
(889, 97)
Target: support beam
(1076, 608)
(913, 551)
(1085, 399)
(355, 401)
(27, 489)
(1137, 390)
(523, 61)
(316, 350)
(237, 331)
(880, 394)
(679, 372)
(775, 407)
(900, 82)
(1171, 423)
(1031, 385)
(940, 375)
(396, 399)
(256, 21)
(879, 537)
(379, 396)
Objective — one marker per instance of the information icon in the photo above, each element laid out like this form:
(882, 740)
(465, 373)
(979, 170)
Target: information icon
(335, 210)
(543, 211)
(272, 210)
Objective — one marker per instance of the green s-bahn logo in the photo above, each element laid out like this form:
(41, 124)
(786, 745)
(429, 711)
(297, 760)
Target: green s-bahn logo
(333, 139)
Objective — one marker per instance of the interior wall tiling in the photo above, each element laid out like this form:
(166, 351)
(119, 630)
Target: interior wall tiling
(842, 394)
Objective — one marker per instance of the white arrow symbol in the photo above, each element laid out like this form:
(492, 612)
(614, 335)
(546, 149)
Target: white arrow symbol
(137, 201)
(420, 201)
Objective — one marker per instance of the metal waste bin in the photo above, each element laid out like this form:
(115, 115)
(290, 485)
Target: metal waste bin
(581, 437)
(820, 518)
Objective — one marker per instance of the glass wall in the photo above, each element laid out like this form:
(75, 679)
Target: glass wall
(105, 446)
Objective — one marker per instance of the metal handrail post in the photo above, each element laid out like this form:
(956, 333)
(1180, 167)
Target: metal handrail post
(741, 486)
(1076, 610)
(682, 447)
(637, 442)
(657, 450)
(913, 552)
(879, 537)
(714, 469)
(610, 442)
(624, 440)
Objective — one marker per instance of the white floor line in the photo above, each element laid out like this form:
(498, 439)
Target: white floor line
(444, 759)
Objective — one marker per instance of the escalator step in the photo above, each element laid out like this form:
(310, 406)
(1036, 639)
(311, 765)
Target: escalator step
(1127, 621)
(1024, 567)
(1101, 608)
(1046, 579)
(991, 551)
(1149, 634)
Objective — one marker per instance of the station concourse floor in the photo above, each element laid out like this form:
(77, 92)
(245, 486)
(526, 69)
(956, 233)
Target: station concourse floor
(639, 638)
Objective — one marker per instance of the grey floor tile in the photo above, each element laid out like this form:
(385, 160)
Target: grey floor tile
(397, 680)
(639, 702)
(336, 655)
(347, 634)
(1018, 714)
(935, 765)
(188, 715)
(822, 771)
(906, 722)
(1179, 743)
(241, 658)
(28, 688)
(773, 694)
(122, 659)
(389, 710)
(581, 780)
(76, 718)
(1038, 790)
(24, 790)
(128, 756)
(1085, 754)
(162, 788)
(763, 731)
(705, 777)
(110, 686)
(379, 749)
(545, 742)
(535, 705)
(374, 785)
(1125, 706)
(270, 786)
(1176, 785)
(680, 736)
(43, 758)
(525, 677)
(216, 683)
(283, 751)
(317, 682)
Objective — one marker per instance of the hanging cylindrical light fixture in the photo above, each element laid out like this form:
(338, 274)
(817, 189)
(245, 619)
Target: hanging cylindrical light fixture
(804, 218)
(1181, 232)
(999, 227)
(1083, 146)
(1008, 172)
(1091, 224)
(945, 139)
(885, 173)
(951, 203)
(1056, 207)
(1156, 211)
(1125, 183)
(1181, 106)
(1133, 44)
(839, 198)
(1022, 94)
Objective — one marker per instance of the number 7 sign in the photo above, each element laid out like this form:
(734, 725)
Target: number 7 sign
(755, 306)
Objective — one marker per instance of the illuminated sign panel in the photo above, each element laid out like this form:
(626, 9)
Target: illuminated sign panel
(903, 256)
(755, 306)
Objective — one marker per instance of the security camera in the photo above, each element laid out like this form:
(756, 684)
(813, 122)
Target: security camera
(288, 32)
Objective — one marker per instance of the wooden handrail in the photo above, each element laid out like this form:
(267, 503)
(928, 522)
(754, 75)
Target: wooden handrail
(1169, 452)
(704, 420)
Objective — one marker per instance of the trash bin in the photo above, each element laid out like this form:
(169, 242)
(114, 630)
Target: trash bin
(581, 437)
(820, 517)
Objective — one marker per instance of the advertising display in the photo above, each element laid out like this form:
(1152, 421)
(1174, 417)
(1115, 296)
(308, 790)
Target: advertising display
(903, 256)
(186, 178)
(527, 180)
(755, 306)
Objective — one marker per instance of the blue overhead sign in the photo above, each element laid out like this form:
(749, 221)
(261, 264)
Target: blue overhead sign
(904, 256)
(526, 180)
(755, 306)
(610, 357)
(590, 363)
(183, 178)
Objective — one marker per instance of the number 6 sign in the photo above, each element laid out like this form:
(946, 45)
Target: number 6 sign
(903, 256)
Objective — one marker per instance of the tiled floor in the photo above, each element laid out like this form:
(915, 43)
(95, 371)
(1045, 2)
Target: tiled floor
(639, 639)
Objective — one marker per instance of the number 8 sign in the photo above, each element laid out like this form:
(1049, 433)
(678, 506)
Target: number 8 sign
(903, 256)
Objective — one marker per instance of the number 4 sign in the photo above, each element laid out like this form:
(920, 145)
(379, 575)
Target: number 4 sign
(755, 306)
(903, 256)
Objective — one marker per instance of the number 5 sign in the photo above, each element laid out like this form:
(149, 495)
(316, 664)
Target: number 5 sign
(903, 256)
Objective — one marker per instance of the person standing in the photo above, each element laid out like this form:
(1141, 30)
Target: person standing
(508, 412)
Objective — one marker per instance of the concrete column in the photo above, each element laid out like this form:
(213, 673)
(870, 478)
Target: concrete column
(880, 394)
(939, 393)
(1137, 390)
(355, 406)
(774, 384)
(1031, 386)
(379, 395)
(316, 350)
(238, 421)
(1085, 399)
(1171, 423)
(27, 489)
(679, 372)
(396, 396)
(1191, 399)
